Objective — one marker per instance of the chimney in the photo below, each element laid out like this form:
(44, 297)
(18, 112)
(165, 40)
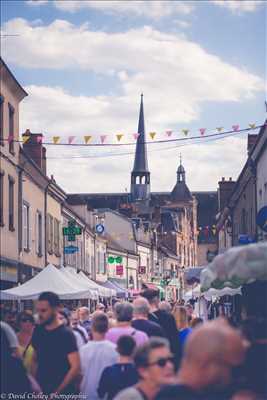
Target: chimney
(35, 150)
(252, 138)
(224, 192)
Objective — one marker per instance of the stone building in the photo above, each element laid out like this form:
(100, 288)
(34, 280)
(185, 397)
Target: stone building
(10, 97)
(240, 201)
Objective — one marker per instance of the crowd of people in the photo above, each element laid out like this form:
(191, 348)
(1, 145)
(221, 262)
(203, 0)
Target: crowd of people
(140, 350)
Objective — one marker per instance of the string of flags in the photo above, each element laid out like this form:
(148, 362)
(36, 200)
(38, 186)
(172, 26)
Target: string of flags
(102, 139)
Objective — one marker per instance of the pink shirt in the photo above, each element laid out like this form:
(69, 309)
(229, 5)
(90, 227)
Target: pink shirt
(114, 334)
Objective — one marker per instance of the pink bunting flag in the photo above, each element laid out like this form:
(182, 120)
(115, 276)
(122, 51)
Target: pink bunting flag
(71, 139)
(168, 133)
(103, 138)
(136, 136)
(202, 131)
(235, 128)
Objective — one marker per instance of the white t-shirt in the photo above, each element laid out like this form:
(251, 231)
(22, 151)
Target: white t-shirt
(95, 357)
(129, 394)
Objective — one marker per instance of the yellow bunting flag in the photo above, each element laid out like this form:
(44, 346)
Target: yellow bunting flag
(152, 135)
(56, 139)
(87, 139)
(119, 137)
(252, 126)
(185, 131)
(25, 139)
(219, 129)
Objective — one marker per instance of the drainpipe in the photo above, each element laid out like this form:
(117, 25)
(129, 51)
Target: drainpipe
(45, 222)
(127, 272)
(20, 198)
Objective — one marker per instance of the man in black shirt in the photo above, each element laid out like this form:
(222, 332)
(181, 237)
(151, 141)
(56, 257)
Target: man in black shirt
(56, 358)
(166, 321)
(141, 321)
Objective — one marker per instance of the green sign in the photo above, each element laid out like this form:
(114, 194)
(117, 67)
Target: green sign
(71, 231)
(112, 260)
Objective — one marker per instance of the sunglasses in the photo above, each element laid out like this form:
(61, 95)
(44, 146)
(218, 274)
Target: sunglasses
(27, 320)
(162, 362)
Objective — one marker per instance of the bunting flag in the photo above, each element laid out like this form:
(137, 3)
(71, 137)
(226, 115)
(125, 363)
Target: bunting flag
(10, 138)
(152, 135)
(219, 129)
(136, 136)
(235, 127)
(25, 138)
(40, 139)
(202, 131)
(71, 139)
(252, 126)
(185, 131)
(87, 139)
(119, 137)
(103, 138)
(168, 133)
(56, 139)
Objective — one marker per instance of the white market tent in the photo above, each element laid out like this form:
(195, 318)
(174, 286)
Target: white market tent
(49, 279)
(208, 294)
(103, 292)
(74, 278)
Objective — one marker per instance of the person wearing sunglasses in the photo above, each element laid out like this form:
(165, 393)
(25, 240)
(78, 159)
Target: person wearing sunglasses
(155, 365)
(25, 322)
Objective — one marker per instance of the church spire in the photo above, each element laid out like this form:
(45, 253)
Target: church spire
(140, 178)
(140, 162)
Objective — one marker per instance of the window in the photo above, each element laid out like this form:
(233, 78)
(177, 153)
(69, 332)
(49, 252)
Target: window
(2, 198)
(11, 113)
(56, 237)
(26, 226)
(11, 184)
(2, 120)
(49, 233)
(39, 234)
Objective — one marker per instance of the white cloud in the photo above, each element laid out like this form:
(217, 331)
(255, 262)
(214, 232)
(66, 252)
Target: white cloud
(141, 8)
(142, 59)
(175, 74)
(55, 112)
(182, 24)
(36, 2)
(239, 6)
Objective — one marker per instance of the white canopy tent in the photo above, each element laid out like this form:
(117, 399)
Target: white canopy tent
(49, 279)
(75, 280)
(196, 292)
(102, 291)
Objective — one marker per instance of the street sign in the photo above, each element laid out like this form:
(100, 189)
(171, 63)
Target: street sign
(262, 218)
(244, 239)
(71, 249)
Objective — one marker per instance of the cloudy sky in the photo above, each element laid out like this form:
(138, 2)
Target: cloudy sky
(84, 65)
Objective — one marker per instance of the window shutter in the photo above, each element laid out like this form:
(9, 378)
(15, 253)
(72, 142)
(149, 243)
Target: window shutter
(36, 232)
(30, 226)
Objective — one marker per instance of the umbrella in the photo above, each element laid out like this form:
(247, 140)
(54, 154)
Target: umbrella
(236, 267)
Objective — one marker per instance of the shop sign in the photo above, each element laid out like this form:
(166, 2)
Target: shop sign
(141, 270)
(119, 269)
(262, 218)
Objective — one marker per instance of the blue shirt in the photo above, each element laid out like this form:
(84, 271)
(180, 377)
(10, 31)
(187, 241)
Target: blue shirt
(183, 335)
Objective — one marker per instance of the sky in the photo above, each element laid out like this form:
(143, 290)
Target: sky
(84, 65)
